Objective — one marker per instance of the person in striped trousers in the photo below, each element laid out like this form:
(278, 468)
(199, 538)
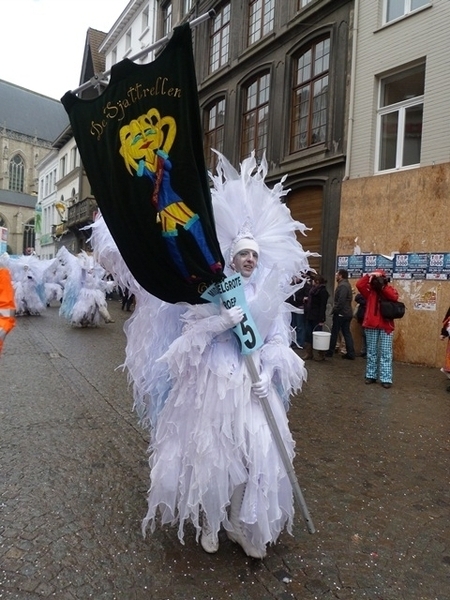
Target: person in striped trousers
(379, 331)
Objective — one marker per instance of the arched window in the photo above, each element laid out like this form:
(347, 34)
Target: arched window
(310, 96)
(16, 173)
(214, 131)
(255, 117)
(28, 237)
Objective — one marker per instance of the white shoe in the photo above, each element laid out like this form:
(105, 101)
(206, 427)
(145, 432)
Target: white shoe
(247, 547)
(208, 540)
(238, 534)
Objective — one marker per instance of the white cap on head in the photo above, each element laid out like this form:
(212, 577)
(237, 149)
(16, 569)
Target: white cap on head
(245, 244)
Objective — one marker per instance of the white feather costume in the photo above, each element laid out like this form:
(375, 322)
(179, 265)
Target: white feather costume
(27, 274)
(84, 298)
(208, 431)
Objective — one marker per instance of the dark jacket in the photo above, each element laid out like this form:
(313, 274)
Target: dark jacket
(361, 310)
(343, 296)
(316, 306)
(298, 299)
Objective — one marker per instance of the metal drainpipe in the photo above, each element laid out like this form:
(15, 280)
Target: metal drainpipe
(351, 106)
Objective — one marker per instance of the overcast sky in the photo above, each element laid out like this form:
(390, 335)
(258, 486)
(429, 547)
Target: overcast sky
(42, 41)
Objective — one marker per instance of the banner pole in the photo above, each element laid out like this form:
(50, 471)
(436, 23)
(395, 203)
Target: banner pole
(99, 78)
(281, 447)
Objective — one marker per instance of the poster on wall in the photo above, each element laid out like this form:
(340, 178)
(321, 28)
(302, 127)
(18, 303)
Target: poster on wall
(354, 263)
(412, 265)
(378, 261)
(426, 301)
(439, 266)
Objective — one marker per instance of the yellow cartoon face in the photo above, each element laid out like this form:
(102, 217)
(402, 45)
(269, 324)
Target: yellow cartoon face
(144, 136)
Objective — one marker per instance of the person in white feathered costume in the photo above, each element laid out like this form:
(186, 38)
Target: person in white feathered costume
(84, 298)
(213, 461)
(28, 283)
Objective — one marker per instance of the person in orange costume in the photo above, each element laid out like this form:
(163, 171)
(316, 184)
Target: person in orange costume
(7, 306)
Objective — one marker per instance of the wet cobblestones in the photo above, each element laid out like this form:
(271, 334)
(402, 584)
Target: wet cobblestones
(373, 465)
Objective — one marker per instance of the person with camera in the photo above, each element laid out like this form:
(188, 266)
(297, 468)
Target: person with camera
(379, 331)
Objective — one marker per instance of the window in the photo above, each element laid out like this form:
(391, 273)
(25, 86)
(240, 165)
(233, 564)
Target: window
(310, 96)
(128, 40)
(28, 237)
(114, 56)
(62, 166)
(220, 39)
(187, 6)
(255, 116)
(400, 117)
(261, 19)
(73, 158)
(303, 3)
(395, 9)
(145, 20)
(167, 19)
(16, 173)
(214, 132)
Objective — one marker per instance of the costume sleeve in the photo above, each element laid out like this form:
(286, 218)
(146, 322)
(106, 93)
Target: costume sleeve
(284, 367)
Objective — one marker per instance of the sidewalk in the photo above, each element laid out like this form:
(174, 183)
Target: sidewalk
(373, 465)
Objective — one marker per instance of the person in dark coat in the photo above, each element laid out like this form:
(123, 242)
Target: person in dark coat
(342, 315)
(315, 313)
(298, 321)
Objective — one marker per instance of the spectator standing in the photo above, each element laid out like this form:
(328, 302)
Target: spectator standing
(315, 313)
(298, 300)
(342, 315)
(379, 331)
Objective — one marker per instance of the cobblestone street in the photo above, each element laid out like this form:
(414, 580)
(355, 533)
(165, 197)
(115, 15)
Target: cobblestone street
(373, 465)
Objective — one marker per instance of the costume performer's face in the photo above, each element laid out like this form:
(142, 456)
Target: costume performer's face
(245, 262)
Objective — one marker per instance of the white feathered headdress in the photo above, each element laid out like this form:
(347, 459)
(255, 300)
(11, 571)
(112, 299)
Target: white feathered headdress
(245, 207)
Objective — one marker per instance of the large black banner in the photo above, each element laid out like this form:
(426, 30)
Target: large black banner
(140, 143)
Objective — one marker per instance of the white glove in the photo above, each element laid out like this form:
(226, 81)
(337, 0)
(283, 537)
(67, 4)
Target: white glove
(230, 316)
(261, 387)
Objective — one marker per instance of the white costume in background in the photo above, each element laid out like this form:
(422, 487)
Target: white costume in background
(213, 459)
(84, 298)
(28, 283)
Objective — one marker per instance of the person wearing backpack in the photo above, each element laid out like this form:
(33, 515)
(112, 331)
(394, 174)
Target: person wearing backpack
(379, 330)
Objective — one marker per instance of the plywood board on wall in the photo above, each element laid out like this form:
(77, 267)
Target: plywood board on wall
(404, 212)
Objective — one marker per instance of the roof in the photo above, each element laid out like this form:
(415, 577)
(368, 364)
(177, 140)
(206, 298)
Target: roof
(93, 61)
(17, 199)
(96, 37)
(30, 113)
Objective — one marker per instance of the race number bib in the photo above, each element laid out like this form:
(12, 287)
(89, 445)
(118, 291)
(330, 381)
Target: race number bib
(231, 292)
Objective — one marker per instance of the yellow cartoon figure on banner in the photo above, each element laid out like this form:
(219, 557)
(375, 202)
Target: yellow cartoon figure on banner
(145, 147)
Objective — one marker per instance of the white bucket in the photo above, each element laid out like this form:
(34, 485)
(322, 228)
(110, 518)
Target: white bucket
(321, 340)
